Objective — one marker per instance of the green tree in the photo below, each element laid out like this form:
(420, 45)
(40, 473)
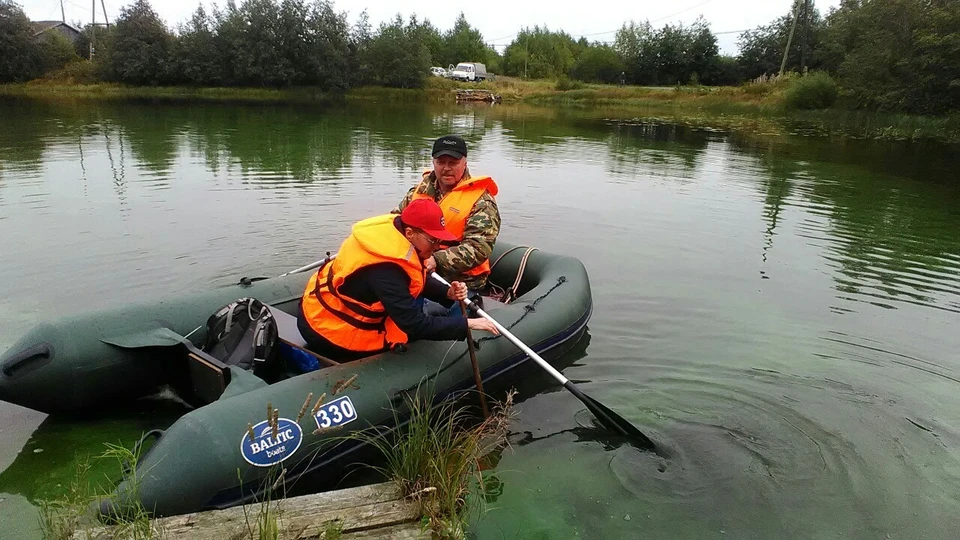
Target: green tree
(56, 51)
(898, 54)
(260, 58)
(727, 71)
(761, 49)
(397, 57)
(599, 63)
(101, 35)
(328, 48)
(429, 36)
(633, 42)
(463, 43)
(671, 45)
(139, 50)
(20, 55)
(670, 55)
(197, 58)
(540, 53)
(361, 35)
(703, 54)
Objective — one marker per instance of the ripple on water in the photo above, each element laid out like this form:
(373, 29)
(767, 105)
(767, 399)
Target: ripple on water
(761, 439)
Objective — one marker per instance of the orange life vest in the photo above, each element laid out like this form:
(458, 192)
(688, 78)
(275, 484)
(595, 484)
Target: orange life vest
(344, 321)
(457, 205)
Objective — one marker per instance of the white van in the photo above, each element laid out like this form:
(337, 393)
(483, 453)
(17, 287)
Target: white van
(469, 71)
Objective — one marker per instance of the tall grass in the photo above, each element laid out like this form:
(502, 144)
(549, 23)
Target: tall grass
(265, 523)
(435, 458)
(59, 90)
(60, 518)
(69, 516)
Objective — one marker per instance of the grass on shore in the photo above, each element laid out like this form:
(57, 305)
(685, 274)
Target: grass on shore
(751, 106)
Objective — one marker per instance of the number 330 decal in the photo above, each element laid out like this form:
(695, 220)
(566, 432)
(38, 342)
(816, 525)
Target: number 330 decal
(336, 413)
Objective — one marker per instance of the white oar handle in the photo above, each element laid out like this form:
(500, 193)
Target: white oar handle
(543, 363)
(310, 266)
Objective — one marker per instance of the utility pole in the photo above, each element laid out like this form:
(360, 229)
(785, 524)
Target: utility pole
(104, 13)
(796, 13)
(93, 26)
(526, 53)
(806, 32)
(62, 14)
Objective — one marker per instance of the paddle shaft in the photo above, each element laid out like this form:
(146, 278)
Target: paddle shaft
(476, 367)
(607, 418)
(310, 266)
(543, 363)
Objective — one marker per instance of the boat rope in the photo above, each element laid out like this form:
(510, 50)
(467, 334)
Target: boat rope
(504, 254)
(510, 294)
(529, 308)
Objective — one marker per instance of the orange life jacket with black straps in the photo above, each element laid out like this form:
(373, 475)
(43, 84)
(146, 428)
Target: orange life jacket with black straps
(457, 205)
(344, 321)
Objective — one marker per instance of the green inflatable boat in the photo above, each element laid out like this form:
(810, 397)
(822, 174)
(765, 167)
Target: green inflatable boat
(222, 451)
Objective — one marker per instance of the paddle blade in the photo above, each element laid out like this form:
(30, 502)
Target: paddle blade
(611, 420)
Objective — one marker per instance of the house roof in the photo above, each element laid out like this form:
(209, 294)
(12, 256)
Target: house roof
(40, 27)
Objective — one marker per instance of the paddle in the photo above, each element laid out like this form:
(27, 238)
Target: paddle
(476, 367)
(607, 418)
(310, 266)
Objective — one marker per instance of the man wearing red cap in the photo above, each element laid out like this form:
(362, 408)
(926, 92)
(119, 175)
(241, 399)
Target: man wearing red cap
(366, 300)
(470, 209)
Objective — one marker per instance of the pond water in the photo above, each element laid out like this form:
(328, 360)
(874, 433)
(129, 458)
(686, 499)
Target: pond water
(778, 311)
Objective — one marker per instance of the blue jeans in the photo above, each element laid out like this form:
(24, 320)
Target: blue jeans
(436, 309)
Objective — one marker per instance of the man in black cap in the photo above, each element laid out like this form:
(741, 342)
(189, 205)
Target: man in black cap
(469, 210)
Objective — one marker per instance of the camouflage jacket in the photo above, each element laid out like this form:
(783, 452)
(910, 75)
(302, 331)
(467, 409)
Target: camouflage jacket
(479, 235)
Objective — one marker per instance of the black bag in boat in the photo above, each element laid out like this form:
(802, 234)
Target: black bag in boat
(244, 334)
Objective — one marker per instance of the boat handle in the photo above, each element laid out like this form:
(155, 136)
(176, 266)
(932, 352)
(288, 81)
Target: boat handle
(136, 447)
(20, 362)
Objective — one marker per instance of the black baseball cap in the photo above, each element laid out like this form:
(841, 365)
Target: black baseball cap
(450, 145)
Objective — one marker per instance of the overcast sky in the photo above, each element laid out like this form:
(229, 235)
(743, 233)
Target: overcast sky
(497, 20)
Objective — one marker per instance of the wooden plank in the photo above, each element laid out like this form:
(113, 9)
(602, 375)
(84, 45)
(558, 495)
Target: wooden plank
(404, 531)
(361, 511)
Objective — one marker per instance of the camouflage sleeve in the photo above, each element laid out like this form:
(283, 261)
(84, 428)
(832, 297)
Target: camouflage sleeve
(479, 236)
(406, 200)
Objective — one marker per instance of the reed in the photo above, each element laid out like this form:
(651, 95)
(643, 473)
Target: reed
(70, 516)
(435, 458)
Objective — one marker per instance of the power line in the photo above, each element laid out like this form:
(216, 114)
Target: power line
(651, 22)
(682, 11)
(618, 29)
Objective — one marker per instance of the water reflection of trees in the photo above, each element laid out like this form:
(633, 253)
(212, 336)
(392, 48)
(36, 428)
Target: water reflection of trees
(891, 239)
(629, 146)
(402, 136)
(31, 127)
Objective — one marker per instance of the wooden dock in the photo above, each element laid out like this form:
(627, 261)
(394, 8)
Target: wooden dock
(374, 511)
(478, 95)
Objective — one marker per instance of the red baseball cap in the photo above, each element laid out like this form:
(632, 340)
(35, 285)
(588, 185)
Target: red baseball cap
(426, 215)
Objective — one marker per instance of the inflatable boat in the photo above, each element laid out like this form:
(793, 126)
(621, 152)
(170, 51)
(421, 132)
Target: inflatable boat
(223, 451)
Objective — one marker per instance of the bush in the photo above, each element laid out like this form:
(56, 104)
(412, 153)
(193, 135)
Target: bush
(56, 51)
(564, 84)
(76, 72)
(757, 89)
(814, 91)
